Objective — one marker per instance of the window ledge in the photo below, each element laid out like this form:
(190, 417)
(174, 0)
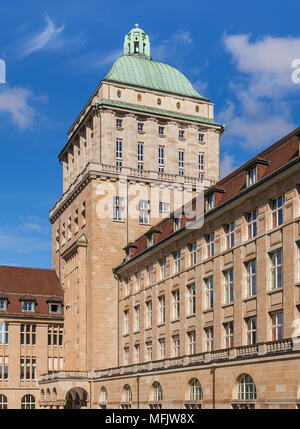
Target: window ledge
(175, 320)
(189, 316)
(229, 304)
(141, 132)
(120, 128)
(249, 298)
(270, 292)
(207, 310)
(297, 284)
(161, 324)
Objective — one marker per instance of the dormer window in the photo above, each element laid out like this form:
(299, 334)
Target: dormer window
(127, 254)
(177, 222)
(55, 308)
(150, 240)
(251, 176)
(210, 202)
(28, 306)
(3, 304)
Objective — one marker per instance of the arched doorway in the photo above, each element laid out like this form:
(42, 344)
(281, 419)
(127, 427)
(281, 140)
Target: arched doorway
(76, 398)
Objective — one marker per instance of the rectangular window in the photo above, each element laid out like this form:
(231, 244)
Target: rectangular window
(191, 342)
(3, 332)
(149, 350)
(251, 278)
(251, 325)
(176, 345)
(277, 211)
(137, 352)
(118, 209)
(3, 304)
(191, 299)
(210, 202)
(55, 335)
(177, 257)
(119, 123)
(228, 286)
(201, 137)
(3, 367)
(162, 348)
(163, 268)
(209, 292)
(164, 208)
(177, 223)
(228, 335)
(200, 165)
(161, 310)
(161, 159)
(150, 275)
(252, 224)
(140, 126)
(28, 334)
(136, 318)
(181, 134)
(144, 211)
(193, 253)
(181, 162)
(126, 355)
(210, 245)
(229, 232)
(28, 306)
(209, 339)
(119, 153)
(140, 156)
(150, 240)
(138, 282)
(161, 130)
(277, 326)
(126, 322)
(148, 314)
(28, 368)
(251, 176)
(276, 270)
(175, 305)
(127, 286)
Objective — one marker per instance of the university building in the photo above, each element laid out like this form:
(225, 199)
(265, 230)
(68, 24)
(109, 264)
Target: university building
(180, 290)
(31, 333)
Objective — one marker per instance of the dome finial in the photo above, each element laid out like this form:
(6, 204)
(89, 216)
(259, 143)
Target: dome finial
(137, 43)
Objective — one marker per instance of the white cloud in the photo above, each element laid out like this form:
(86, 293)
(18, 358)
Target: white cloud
(267, 61)
(259, 112)
(40, 40)
(15, 102)
(200, 86)
(228, 164)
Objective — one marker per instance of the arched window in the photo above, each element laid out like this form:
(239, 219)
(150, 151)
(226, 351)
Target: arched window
(54, 394)
(195, 390)
(103, 395)
(157, 392)
(103, 398)
(3, 402)
(246, 389)
(127, 396)
(42, 394)
(28, 402)
(48, 394)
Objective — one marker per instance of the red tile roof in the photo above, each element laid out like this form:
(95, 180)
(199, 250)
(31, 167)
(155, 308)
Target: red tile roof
(41, 285)
(268, 161)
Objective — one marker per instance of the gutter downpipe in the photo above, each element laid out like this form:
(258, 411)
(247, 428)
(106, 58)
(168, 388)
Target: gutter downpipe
(213, 372)
(118, 318)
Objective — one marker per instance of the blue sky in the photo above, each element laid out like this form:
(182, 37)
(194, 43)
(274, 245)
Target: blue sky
(237, 54)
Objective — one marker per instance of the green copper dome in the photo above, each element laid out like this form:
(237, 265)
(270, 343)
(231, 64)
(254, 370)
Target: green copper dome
(137, 68)
(146, 73)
